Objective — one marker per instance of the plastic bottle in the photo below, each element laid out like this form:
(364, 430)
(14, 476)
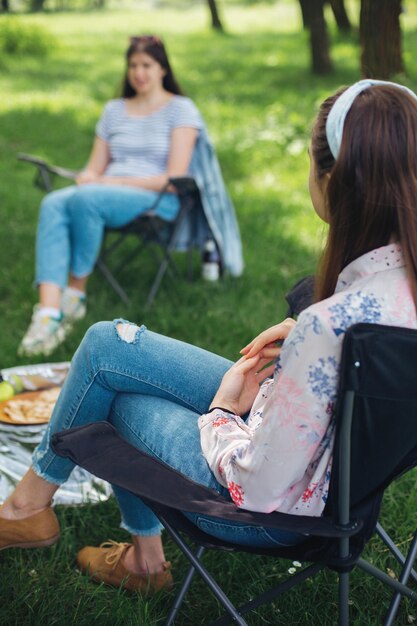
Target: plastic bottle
(211, 269)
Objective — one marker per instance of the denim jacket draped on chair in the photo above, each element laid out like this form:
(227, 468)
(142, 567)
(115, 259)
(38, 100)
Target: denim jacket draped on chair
(218, 214)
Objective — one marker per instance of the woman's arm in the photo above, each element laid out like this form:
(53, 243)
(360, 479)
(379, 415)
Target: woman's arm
(273, 459)
(240, 385)
(180, 154)
(96, 164)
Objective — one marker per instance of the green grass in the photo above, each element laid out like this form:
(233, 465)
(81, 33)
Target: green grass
(255, 91)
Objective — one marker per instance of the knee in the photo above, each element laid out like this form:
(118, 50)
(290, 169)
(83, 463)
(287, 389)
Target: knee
(102, 334)
(98, 334)
(83, 200)
(127, 331)
(52, 205)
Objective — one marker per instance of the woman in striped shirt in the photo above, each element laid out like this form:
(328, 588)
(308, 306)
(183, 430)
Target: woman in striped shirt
(142, 138)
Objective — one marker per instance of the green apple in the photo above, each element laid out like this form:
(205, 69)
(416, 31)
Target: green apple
(17, 383)
(6, 391)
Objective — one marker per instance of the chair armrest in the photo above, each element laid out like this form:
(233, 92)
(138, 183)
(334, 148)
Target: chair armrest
(100, 449)
(44, 170)
(184, 184)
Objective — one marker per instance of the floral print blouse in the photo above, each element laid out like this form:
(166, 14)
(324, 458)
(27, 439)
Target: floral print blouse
(281, 457)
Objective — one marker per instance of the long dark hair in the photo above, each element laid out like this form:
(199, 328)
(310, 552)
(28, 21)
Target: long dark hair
(371, 195)
(154, 47)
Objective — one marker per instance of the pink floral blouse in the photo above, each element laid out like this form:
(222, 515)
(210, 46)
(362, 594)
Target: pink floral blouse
(281, 457)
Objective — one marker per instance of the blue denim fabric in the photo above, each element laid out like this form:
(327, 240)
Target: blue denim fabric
(218, 210)
(152, 389)
(72, 222)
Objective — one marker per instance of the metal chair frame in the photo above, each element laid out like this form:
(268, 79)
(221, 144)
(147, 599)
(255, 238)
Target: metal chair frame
(147, 227)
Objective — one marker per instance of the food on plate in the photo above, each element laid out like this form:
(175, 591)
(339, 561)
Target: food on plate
(32, 407)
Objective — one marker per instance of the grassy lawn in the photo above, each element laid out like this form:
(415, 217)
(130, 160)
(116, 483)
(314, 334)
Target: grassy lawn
(255, 91)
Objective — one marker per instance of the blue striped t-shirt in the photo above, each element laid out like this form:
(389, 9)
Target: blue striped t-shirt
(139, 145)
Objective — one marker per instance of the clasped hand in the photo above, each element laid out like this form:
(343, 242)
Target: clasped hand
(241, 382)
(88, 177)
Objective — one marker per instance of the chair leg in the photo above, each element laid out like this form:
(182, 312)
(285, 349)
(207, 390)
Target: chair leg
(208, 579)
(156, 284)
(344, 599)
(394, 549)
(181, 594)
(190, 270)
(405, 574)
(113, 282)
(384, 578)
(273, 593)
(167, 264)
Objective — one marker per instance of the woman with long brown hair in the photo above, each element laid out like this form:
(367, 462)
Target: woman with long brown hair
(260, 433)
(143, 138)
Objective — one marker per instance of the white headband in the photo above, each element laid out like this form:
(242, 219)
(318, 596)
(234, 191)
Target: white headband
(337, 115)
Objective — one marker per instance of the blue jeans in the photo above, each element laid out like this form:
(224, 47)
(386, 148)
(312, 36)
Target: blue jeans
(72, 222)
(152, 389)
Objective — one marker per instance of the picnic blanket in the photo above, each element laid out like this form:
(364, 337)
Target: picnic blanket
(18, 440)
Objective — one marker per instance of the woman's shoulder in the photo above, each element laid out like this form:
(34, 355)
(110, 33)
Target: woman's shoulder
(116, 105)
(183, 103)
(184, 112)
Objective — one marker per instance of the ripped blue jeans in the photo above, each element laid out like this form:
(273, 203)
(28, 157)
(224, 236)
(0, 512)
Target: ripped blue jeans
(152, 389)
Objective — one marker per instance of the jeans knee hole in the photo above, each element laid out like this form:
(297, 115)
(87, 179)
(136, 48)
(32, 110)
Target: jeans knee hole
(127, 332)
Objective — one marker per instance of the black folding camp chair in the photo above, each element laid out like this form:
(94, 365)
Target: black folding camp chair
(159, 236)
(376, 441)
(300, 296)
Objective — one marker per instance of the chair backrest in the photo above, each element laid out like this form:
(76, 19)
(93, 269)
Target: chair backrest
(377, 407)
(300, 296)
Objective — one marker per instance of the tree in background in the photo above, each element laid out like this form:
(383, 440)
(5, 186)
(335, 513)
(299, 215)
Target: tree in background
(379, 33)
(36, 5)
(340, 15)
(215, 19)
(313, 19)
(339, 11)
(39, 5)
(380, 38)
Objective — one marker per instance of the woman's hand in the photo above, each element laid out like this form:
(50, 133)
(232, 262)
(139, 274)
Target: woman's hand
(240, 384)
(268, 344)
(87, 176)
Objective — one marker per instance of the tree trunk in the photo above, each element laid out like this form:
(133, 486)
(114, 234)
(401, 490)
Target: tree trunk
(380, 37)
(215, 19)
(36, 5)
(313, 16)
(5, 5)
(304, 12)
(340, 14)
